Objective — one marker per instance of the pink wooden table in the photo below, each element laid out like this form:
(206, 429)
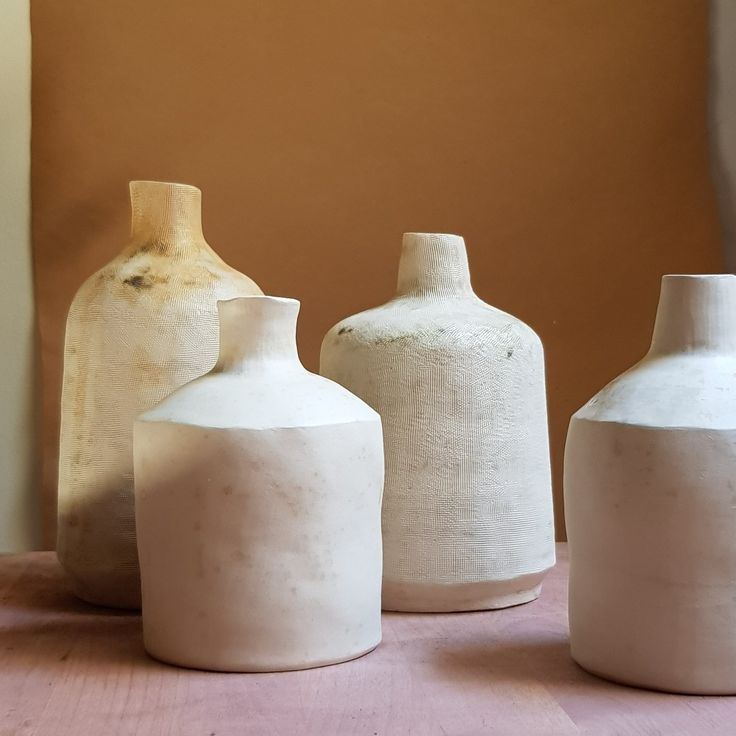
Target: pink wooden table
(69, 668)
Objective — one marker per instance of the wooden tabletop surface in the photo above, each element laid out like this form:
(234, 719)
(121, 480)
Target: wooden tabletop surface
(67, 668)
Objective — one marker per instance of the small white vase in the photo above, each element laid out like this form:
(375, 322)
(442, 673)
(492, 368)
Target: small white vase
(650, 501)
(258, 505)
(467, 516)
(143, 325)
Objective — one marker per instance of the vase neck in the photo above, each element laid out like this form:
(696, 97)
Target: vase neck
(166, 218)
(433, 264)
(695, 314)
(256, 333)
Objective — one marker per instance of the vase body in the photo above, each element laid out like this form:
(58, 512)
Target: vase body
(459, 385)
(650, 502)
(137, 329)
(258, 507)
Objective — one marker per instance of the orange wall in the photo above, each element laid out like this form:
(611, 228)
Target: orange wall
(565, 140)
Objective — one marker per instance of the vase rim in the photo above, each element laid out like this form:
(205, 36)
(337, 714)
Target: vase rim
(432, 235)
(269, 298)
(696, 276)
(155, 183)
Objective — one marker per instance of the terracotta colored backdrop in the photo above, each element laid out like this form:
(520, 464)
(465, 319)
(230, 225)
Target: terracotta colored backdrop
(565, 140)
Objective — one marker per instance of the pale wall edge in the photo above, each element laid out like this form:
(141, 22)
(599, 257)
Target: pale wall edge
(19, 525)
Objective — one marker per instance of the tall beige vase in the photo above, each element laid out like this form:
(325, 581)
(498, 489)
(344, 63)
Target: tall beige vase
(137, 329)
(650, 501)
(258, 508)
(459, 385)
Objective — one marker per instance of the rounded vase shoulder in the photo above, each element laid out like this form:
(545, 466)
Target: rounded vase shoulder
(459, 385)
(284, 395)
(650, 501)
(258, 497)
(137, 329)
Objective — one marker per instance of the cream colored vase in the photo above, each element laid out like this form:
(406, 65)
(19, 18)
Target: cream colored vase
(467, 516)
(137, 329)
(650, 501)
(258, 507)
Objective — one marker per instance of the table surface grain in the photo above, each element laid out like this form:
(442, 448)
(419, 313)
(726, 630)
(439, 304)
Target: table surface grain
(70, 668)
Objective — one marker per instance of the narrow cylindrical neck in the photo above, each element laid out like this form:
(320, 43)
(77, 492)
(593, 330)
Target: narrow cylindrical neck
(257, 331)
(695, 314)
(433, 264)
(166, 218)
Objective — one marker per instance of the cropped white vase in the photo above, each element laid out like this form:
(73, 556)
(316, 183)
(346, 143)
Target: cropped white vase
(459, 385)
(650, 501)
(258, 508)
(137, 329)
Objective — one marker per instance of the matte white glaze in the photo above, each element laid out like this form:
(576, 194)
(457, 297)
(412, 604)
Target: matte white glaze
(650, 502)
(258, 497)
(467, 518)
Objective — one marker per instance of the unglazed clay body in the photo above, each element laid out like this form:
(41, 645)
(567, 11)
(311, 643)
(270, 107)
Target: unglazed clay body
(258, 507)
(650, 501)
(137, 329)
(467, 515)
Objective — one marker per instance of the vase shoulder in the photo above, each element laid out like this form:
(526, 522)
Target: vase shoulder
(687, 391)
(432, 321)
(467, 514)
(277, 398)
(149, 275)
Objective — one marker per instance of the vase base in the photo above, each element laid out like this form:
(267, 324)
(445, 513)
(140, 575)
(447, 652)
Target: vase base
(123, 593)
(201, 663)
(131, 603)
(441, 598)
(645, 683)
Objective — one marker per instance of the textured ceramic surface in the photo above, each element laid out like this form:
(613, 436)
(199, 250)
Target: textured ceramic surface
(467, 516)
(258, 505)
(137, 329)
(650, 500)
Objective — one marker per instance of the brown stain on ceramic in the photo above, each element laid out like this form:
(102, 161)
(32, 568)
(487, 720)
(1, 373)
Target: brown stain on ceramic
(147, 280)
(125, 288)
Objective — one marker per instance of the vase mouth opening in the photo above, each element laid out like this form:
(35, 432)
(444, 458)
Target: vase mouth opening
(431, 235)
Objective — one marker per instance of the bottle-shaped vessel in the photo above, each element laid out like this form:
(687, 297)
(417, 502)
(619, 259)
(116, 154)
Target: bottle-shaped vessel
(459, 385)
(141, 326)
(650, 502)
(258, 506)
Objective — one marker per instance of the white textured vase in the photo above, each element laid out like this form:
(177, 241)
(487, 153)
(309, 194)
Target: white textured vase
(459, 385)
(258, 507)
(650, 501)
(137, 329)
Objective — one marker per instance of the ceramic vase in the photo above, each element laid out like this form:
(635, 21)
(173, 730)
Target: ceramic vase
(650, 499)
(258, 507)
(137, 329)
(459, 385)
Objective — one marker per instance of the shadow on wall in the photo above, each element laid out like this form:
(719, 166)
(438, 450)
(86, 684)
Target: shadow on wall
(19, 454)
